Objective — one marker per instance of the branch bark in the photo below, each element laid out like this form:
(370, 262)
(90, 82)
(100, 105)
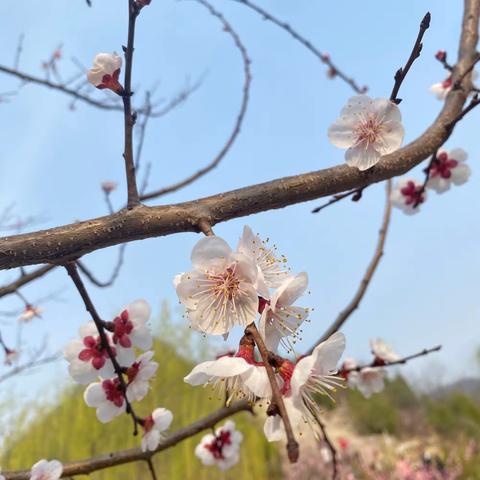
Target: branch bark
(90, 465)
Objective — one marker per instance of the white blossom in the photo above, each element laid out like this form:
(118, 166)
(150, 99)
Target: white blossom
(139, 374)
(272, 271)
(407, 195)
(383, 352)
(29, 313)
(280, 318)
(105, 72)
(154, 426)
(221, 449)
(368, 129)
(312, 375)
(236, 376)
(448, 168)
(368, 380)
(46, 470)
(107, 398)
(441, 89)
(220, 291)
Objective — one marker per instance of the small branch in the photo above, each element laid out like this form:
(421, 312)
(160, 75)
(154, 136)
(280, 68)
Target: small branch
(401, 361)
(205, 227)
(24, 279)
(73, 273)
(93, 464)
(473, 103)
(355, 194)
(18, 51)
(238, 121)
(277, 399)
(330, 445)
(133, 199)
(417, 48)
(372, 267)
(115, 271)
(142, 128)
(427, 171)
(151, 468)
(458, 82)
(323, 57)
(29, 366)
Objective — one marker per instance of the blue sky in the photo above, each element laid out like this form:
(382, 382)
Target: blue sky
(53, 160)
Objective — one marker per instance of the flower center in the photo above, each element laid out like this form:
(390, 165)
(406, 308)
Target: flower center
(226, 285)
(368, 130)
(443, 166)
(122, 327)
(94, 352)
(413, 195)
(113, 391)
(215, 447)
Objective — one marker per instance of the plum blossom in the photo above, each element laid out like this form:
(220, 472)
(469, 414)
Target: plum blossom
(368, 380)
(222, 448)
(312, 375)
(154, 426)
(408, 195)
(368, 128)
(130, 327)
(279, 317)
(220, 291)
(108, 186)
(29, 313)
(271, 270)
(86, 356)
(105, 72)
(46, 470)
(107, 397)
(382, 352)
(448, 168)
(441, 89)
(139, 374)
(234, 376)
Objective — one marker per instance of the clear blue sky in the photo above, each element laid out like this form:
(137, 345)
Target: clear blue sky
(53, 160)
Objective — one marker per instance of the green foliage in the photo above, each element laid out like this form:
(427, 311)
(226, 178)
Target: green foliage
(373, 415)
(454, 415)
(400, 394)
(69, 431)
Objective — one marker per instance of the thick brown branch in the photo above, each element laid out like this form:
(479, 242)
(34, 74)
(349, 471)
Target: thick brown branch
(70, 242)
(277, 399)
(372, 267)
(238, 122)
(324, 58)
(89, 465)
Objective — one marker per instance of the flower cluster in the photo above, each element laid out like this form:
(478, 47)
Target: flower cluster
(446, 168)
(228, 288)
(369, 379)
(110, 356)
(221, 448)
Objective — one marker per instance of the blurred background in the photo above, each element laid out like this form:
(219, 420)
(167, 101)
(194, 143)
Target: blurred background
(55, 154)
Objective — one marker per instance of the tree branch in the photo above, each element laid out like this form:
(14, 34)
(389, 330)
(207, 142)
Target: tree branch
(24, 279)
(372, 267)
(90, 465)
(28, 366)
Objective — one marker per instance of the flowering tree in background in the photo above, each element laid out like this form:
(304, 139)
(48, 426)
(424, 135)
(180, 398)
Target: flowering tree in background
(250, 286)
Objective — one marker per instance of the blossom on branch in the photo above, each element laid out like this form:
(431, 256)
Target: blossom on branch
(154, 426)
(448, 168)
(107, 397)
(271, 270)
(368, 129)
(312, 375)
(222, 448)
(29, 313)
(408, 195)
(108, 186)
(105, 72)
(139, 374)
(220, 291)
(46, 470)
(279, 317)
(382, 352)
(441, 89)
(235, 376)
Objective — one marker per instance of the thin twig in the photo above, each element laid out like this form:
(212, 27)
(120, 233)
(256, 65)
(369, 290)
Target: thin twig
(18, 51)
(329, 444)
(238, 121)
(277, 399)
(73, 273)
(355, 194)
(151, 468)
(24, 279)
(365, 282)
(29, 366)
(323, 57)
(417, 48)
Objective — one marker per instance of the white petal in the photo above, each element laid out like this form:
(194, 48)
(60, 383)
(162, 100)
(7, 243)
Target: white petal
(94, 395)
(439, 184)
(162, 418)
(107, 411)
(461, 173)
(391, 138)
(222, 367)
(290, 291)
(342, 132)
(256, 380)
(357, 104)
(139, 312)
(361, 157)
(458, 154)
(210, 250)
(387, 110)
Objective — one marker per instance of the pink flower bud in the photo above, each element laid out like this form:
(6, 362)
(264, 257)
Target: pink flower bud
(325, 57)
(105, 72)
(109, 186)
(331, 72)
(441, 55)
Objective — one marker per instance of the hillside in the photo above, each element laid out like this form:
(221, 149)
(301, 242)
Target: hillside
(70, 431)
